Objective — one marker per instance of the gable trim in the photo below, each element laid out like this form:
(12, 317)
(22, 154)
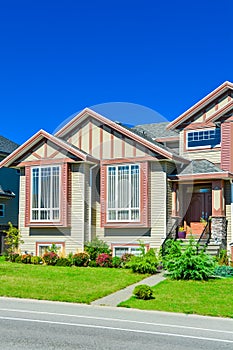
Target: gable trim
(200, 104)
(35, 139)
(127, 133)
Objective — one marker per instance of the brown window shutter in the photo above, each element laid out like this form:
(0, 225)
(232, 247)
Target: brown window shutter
(27, 195)
(144, 193)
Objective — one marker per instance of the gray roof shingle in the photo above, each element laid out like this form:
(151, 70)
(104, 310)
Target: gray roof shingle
(7, 146)
(157, 130)
(201, 166)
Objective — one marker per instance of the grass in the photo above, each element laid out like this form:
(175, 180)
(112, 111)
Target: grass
(71, 284)
(212, 298)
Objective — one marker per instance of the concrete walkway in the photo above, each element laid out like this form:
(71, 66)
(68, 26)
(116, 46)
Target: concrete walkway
(115, 298)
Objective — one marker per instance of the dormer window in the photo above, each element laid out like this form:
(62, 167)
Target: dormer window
(205, 138)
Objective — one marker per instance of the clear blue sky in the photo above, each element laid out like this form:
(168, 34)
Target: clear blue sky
(58, 57)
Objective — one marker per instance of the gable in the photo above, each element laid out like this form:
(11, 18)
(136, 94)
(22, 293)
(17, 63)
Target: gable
(104, 139)
(213, 106)
(46, 147)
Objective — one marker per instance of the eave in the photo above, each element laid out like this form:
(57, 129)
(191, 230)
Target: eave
(11, 160)
(126, 132)
(200, 104)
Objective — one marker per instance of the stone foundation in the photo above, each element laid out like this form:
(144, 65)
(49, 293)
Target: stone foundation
(219, 230)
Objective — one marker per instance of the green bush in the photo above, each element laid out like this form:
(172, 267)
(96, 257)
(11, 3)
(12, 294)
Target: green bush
(172, 251)
(11, 257)
(145, 263)
(26, 259)
(143, 291)
(63, 262)
(116, 262)
(80, 259)
(125, 258)
(92, 263)
(188, 264)
(50, 258)
(18, 260)
(223, 271)
(104, 260)
(222, 258)
(36, 260)
(96, 247)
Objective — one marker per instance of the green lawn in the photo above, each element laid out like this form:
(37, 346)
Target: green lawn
(72, 284)
(213, 298)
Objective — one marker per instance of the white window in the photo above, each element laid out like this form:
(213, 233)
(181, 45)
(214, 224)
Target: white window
(206, 138)
(43, 248)
(123, 197)
(2, 210)
(45, 193)
(119, 251)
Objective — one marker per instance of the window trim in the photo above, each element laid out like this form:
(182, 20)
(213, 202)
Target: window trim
(128, 246)
(65, 199)
(3, 210)
(39, 186)
(130, 209)
(201, 146)
(49, 244)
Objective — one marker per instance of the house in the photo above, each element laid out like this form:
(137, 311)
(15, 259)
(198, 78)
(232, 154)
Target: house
(9, 191)
(96, 177)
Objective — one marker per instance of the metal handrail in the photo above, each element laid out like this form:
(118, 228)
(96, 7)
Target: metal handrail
(206, 232)
(169, 235)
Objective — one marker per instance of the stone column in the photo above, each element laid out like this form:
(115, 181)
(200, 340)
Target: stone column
(218, 223)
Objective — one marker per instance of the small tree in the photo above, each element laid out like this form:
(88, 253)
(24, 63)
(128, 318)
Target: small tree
(13, 239)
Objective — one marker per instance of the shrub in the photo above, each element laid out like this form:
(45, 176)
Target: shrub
(143, 291)
(50, 258)
(11, 257)
(222, 258)
(63, 262)
(18, 260)
(13, 239)
(223, 271)
(116, 262)
(36, 260)
(96, 247)
(125, 258)
(92, 263)
(80, 259)
(172, 251)
(26, 259)
(190, 265)
(104, 260)
(146, 263)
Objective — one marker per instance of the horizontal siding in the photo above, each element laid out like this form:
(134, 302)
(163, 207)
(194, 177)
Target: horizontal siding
(227, 190)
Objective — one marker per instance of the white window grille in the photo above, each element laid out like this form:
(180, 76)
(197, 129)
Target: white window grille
(45, 193)
(123, 197)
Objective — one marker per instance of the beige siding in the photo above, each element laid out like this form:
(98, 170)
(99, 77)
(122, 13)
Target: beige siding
(213, 156)
(106, 145)
(158, 204)
(95, 141)
(85, 138)
(129, 149)
(223, 102)
(117, 147)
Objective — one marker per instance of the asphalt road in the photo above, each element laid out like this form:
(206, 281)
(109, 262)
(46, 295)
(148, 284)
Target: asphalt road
(28, 325)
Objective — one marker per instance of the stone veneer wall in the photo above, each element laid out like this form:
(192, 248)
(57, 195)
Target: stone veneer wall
(219, 230)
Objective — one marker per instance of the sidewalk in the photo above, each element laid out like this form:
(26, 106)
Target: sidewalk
(115, 298)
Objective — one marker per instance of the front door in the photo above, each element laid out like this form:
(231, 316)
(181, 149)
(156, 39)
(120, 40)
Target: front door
(200, 207)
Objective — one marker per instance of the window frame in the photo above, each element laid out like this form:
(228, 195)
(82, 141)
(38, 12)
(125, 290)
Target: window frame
(129, 247)
(60, 245)
(129, 209)
(3, 210)
(50, 209)
(208, 130)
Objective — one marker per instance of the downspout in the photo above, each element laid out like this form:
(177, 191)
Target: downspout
(90, 200)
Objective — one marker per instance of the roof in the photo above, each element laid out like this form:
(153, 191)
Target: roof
(7, 146)
(157, 130)
(39, 136)
(132, 133)
(200, 104)
(202, 166)
(6, 193)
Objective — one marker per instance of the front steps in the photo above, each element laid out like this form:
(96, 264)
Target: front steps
(212, 249)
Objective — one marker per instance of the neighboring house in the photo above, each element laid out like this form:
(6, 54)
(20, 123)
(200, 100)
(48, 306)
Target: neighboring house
(9, 191)
(95, 177)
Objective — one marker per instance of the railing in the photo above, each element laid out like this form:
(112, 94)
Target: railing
(204, 237)
(170, 235)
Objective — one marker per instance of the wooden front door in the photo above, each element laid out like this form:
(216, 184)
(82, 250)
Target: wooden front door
(200, 207)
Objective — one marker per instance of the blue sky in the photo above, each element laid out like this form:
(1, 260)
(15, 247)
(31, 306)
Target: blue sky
(58, 57)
